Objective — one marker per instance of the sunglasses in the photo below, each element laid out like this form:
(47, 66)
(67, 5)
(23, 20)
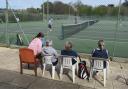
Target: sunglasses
(100, 45)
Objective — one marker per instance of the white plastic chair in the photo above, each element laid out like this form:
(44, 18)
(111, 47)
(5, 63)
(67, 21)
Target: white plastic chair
(97, 64)
(47, 60)
(67, 63)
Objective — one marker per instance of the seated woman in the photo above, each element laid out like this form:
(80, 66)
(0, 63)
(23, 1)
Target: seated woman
(68, 51)
(49, 50)
(36, 46)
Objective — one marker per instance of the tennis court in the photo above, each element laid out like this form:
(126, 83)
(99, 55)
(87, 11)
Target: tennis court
(84, 41)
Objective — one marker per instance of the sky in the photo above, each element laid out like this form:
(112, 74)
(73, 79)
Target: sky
(22, 4)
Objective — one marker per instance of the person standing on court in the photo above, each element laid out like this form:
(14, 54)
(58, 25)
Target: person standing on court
(50, 23)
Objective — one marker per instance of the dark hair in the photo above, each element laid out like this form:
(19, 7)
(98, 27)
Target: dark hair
(101, 43)
(40, 34)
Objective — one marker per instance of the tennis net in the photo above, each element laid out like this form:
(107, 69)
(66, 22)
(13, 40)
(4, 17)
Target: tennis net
(71, 29)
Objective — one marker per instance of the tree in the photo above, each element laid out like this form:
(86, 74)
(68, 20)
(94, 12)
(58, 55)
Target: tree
(32, 10)
(61, 8)
(124, 11)
(111, 5)
(125, 3)
(50, 5)
(110, 9)
(100, 10)
(85, 10)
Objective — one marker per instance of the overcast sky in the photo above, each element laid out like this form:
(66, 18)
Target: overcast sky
(20, 4)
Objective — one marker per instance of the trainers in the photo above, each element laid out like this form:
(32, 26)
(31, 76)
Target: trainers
(95, 72)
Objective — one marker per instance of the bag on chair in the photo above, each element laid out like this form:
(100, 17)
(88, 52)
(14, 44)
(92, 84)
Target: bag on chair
(82, 71)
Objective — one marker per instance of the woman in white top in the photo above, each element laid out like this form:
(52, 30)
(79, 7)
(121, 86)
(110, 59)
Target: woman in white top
(49, 50)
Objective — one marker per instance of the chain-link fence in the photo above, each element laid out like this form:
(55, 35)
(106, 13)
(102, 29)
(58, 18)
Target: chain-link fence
(112, 25)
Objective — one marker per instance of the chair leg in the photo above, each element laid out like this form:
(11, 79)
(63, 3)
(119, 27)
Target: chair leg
(35, 69)
(104, 77)
(44, 68)
(21, 69)
(53, 72)
(73, 73)
(91, 69)
(61, 71)
(91, 72)
(77, 67)
(107, 73)
(28, 66)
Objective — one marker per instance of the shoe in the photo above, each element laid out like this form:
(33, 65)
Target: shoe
(97, 72)
(87, 79)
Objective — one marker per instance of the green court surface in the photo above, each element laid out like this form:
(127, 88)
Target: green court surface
(84, 41)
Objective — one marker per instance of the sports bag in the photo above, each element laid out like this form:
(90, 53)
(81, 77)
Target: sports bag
(82, 71)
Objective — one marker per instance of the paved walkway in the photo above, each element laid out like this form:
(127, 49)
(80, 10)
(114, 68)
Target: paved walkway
(10, 78)
(13, 80)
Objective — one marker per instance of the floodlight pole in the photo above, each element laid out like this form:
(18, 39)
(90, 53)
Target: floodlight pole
(43, 10)
(6, 18)
(69, 9)
(75, 9)
(75, 17)
(78, 7)
(47, 9)
(117, 27)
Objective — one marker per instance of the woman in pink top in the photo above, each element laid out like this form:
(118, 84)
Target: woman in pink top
(36, 46)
